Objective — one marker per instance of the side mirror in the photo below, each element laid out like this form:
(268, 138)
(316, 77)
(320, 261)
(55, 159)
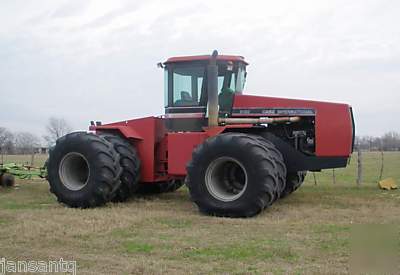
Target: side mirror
(160, 65)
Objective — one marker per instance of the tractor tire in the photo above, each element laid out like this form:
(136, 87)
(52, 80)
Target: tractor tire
(293, 182)
(130, 163)
(7, 180)
(232, 175)
(159, 187)
(83, 170)
(278, 157)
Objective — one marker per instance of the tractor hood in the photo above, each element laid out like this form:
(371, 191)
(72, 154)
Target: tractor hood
(334, 126)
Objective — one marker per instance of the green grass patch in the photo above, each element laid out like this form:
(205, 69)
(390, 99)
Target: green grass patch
(335, 245)
(27, 196)
(137, 247)
(330, 228)
(371, 167)
(332, 238)
(263, 250)
(4, 221)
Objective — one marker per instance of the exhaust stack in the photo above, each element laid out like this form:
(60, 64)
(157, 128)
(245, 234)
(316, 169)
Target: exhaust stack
(212, 90)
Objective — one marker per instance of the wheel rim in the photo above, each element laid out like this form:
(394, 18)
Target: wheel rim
(226, 179)
(74, 171)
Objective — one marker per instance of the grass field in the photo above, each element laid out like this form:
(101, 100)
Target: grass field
(307, 233)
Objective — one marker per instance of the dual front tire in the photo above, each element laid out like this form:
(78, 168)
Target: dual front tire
(293, 181)
(239, 175)
(235, 175)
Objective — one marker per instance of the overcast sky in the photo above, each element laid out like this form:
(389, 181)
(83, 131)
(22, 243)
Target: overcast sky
(96, 60)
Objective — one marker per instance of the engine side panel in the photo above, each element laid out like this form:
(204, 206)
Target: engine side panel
(333, 121)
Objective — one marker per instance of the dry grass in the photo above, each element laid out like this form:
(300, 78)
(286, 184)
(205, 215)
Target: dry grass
(307, 233)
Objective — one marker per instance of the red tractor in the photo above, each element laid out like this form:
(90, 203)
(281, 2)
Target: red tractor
(236, 153)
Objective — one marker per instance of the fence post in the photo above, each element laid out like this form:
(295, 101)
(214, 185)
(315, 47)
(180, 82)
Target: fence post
(334, 176)
(360, 168)
(315, 179)
(32, 158)
(382, 167)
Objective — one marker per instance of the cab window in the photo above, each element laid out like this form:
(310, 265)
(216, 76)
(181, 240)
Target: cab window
(187, 85)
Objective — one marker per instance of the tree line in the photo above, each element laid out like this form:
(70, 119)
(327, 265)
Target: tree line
(29, 143)
(387, 142)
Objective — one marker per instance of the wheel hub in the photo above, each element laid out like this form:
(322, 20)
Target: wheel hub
(74, 171)
(226, 179)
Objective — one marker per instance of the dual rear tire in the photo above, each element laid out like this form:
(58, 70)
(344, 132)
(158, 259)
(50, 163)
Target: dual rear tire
(84, 170)
(130, 165)
(88, 170)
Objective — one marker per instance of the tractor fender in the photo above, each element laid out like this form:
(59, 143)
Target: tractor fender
(125, 131)
(213, 131)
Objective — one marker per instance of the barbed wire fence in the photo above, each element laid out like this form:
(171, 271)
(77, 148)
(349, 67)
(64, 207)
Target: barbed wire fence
(366, 167)
(359, 167)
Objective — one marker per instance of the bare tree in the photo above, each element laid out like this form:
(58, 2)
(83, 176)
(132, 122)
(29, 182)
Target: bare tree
(6, 141)
(56, 128)
(391, 141)
(368, 143)
(388, 142)
(26, 143)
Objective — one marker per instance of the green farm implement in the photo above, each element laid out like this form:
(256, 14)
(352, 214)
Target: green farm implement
(10, 171)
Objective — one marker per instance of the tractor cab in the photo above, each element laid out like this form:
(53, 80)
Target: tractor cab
(187, 89)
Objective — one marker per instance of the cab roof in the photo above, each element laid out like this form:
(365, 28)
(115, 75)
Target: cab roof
(233, 58)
